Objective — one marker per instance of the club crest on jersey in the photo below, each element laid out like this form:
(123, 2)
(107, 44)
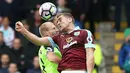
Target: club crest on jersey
(76, 33)
(70, 39)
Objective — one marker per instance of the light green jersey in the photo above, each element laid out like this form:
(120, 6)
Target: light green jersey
(45, 65)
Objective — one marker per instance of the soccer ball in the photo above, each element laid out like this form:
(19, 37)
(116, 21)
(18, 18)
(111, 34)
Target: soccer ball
(47, 11)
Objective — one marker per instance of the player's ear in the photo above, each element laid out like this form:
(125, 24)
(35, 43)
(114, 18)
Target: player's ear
(70, 19)
(47, 34)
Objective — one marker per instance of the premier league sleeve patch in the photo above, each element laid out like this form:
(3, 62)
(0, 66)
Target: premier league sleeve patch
(77, 33)
(50, 49)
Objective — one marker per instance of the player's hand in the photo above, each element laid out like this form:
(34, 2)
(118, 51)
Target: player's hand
(19, 26)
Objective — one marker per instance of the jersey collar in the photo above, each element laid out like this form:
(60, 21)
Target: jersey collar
(76, 28)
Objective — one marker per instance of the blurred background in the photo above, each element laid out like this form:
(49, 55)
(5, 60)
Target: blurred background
(108, 20)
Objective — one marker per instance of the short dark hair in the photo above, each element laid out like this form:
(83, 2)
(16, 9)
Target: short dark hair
(64, 14)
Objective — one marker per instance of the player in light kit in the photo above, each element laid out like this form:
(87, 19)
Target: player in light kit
(76, 45)
(47, 54)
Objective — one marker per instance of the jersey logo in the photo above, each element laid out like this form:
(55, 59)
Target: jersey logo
(70, 39)
(76, 33)
(69, 44)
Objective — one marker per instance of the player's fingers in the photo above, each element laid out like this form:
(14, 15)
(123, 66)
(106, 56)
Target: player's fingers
(19, 23)
(16, 27)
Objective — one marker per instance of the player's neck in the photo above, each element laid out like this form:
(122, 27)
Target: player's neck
(70, 28)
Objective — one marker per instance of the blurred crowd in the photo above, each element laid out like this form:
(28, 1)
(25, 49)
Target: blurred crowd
(18, 55)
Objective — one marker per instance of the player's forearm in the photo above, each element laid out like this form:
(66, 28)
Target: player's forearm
(33, 38)
(90, 59)
(90, 64)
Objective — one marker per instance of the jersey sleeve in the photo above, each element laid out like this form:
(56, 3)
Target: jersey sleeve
(53, 41)
(89, 40)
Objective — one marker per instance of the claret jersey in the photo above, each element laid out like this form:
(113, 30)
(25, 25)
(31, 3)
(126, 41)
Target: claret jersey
(72, 47)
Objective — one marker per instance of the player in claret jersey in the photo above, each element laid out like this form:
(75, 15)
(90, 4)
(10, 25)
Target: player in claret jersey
(72, 43)
(76, 45)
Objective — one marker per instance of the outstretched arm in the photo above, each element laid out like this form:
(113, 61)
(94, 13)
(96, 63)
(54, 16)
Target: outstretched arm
(33, 38)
